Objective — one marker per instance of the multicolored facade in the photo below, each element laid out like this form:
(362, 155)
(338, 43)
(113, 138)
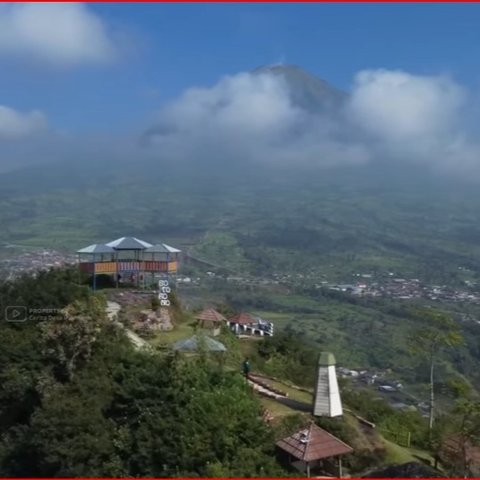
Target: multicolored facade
(129, 259)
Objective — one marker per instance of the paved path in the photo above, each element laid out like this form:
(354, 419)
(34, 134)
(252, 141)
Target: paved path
(112, 309)
(283, 399)
(264, 391)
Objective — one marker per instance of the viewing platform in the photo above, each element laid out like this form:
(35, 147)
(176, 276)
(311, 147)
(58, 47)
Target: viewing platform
(128, 259)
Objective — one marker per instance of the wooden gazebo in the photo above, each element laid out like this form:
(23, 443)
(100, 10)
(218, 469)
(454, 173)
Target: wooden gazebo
(310, 447)
(210, 318)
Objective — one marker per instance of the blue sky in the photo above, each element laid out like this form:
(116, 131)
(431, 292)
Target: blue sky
(162, 49)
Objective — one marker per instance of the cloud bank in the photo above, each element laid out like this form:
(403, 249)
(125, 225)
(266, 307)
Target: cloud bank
(388, 116)
(15, 125)
(250, 119)
(58, 34)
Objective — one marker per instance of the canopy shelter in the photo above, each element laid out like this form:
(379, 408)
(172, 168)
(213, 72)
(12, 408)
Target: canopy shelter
(128, 258)
(198, 343)
(310, 447)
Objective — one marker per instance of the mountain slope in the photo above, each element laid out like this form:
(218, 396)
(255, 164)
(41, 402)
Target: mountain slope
(306, 91)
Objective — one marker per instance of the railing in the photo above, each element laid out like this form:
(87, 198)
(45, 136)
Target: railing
(129, 266)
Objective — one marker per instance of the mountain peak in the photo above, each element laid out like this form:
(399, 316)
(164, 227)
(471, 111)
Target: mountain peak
(306, 90)
(279, 68)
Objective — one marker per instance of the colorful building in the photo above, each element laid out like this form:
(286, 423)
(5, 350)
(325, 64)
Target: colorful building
(129, 260)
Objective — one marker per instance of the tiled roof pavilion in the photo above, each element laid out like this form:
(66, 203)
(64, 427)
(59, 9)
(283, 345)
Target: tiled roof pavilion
(312, 444)
(211, 315)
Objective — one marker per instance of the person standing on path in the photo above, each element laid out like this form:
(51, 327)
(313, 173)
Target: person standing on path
(246, 368)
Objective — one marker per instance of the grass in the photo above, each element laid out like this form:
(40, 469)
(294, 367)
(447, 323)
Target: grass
(179, 332)
(277, 409)
(293, 393)
(397, 454)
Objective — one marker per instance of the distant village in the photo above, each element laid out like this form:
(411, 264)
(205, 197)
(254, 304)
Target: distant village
(366, 285)
(407, 289)
(34, 261)
(387, 387)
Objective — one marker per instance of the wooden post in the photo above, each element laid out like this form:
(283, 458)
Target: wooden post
(340, 467)
(94, 273)
(116, 269)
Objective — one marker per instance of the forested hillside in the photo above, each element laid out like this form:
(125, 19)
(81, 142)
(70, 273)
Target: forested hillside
(77, 400)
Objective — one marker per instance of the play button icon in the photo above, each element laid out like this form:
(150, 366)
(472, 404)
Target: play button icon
(15, 313)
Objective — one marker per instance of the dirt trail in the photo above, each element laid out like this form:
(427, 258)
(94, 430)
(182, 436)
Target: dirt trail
(112, 311)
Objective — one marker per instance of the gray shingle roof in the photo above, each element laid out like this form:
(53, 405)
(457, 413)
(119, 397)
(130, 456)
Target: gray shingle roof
(195, 343)
(162, 248)
(96, 248)
(129, 243)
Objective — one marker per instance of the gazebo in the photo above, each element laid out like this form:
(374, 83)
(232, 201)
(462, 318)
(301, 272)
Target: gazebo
(210, 318)
(311, 447)
(128, 258)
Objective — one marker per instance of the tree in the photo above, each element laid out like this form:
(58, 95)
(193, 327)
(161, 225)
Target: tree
(468, 430)
(439, 332)
(77, 400)
(455, 434)
(154, 303)
(69, 337)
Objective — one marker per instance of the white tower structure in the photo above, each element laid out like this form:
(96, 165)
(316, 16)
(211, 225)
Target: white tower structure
(327, 395)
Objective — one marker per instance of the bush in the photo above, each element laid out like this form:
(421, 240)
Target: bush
(364, 459)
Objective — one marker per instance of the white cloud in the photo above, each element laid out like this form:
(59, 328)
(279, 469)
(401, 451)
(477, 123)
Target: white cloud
(396, 105)
(388, 116)
(15, 125)
(59, 34)
(415, 118)
(249, 117)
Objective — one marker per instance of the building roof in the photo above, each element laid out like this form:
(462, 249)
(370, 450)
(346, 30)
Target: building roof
(313, 443)
(195, 343)
(326, 359)
(162, 248)
(211, 315)
(129, 243)
(243, 319)
(96, 248)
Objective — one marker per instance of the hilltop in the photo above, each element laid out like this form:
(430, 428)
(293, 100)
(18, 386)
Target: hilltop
(124, 403)
(307, 91)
